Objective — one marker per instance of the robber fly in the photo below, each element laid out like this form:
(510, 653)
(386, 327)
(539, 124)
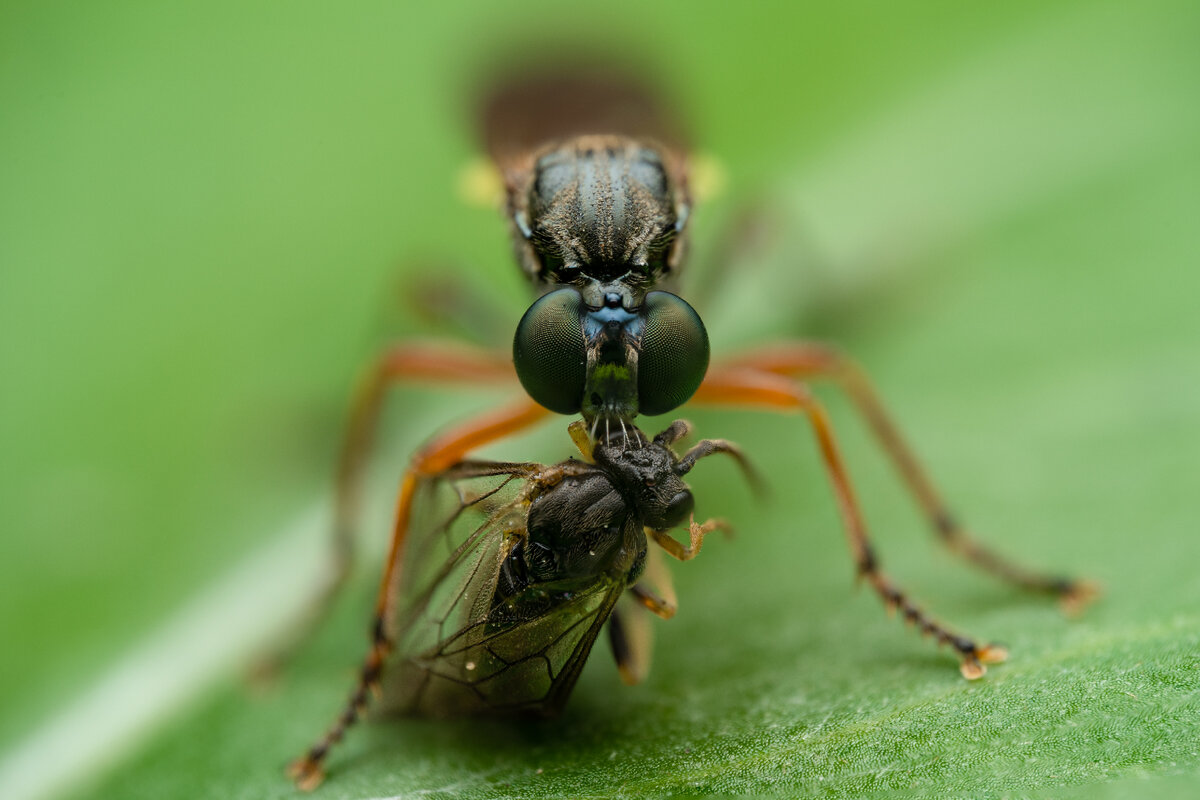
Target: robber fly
(596, 184)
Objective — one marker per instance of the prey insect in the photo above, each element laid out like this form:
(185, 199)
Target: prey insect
(597, 195)
(501, 618)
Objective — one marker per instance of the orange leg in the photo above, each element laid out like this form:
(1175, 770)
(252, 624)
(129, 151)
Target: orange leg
(813, 360)
(760, 388)
(435, 457)
(446, 363)
(432, 362)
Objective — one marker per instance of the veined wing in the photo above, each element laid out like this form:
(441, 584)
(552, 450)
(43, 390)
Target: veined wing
(459, 648)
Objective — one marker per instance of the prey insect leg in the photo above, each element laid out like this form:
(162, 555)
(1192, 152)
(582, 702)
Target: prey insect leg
(435, 457)
(813, 360)
(629, 636)
(447, 363)
(652, 602)
(696, 533)
(656, 590)
(759, 388)
(629, 628)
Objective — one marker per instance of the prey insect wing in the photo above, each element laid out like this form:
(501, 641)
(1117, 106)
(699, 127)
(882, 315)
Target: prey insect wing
(462, 645)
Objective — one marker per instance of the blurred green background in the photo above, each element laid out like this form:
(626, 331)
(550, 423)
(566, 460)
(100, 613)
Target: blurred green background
(209, 214)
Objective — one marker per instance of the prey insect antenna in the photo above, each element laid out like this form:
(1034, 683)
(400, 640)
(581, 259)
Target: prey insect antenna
(709, 447)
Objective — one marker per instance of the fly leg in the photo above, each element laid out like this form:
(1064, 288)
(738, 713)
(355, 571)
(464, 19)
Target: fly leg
(812, 360)
(760, 388)
(698, 530)
(629, 636)
(656, 590)
(432, 459)
(629, 630)
(445, 363)
(696, 533)
(442, 363)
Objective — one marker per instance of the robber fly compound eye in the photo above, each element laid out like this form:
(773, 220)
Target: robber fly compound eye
(663, 343)
(549, 351)
(674, 353)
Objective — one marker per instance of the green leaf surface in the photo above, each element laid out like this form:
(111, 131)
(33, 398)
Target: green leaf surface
(205, 216)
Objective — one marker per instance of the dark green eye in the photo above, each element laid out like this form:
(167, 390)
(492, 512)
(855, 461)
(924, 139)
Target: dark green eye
(549, 353)
(674, 353)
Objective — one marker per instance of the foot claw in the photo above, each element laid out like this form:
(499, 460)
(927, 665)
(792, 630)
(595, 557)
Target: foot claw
(993, 654)
(306, 774)
(971, 669)
(972, 666)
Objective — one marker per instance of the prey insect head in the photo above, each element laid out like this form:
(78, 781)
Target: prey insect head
(609, 354)
(649, 477)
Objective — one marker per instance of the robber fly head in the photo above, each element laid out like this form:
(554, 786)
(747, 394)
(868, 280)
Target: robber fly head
(600, 224)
